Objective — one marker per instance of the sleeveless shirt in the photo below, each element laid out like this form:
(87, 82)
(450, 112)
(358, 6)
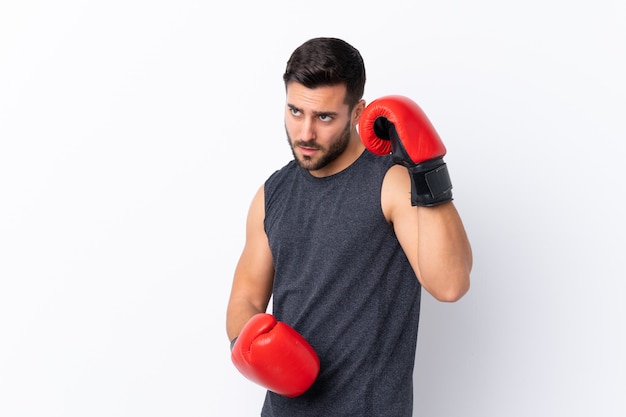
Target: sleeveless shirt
(343, 282)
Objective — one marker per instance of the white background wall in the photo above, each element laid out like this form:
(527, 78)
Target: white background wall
(134, 133)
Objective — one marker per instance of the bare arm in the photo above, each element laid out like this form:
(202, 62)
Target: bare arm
(433, 238)
(254, 274)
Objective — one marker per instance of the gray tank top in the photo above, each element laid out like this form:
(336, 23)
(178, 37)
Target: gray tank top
(344, 283)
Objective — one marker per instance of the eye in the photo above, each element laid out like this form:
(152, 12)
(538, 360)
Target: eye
(325, 118)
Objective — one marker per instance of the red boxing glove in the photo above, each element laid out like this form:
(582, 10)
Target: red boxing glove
(397, 125)
(275, 356)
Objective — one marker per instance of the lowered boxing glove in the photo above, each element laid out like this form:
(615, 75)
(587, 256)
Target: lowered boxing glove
(275, 356)
(397, 125)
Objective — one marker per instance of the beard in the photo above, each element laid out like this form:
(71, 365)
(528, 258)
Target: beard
(327, 156)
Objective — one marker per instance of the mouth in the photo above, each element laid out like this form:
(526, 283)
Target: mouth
(308, 150)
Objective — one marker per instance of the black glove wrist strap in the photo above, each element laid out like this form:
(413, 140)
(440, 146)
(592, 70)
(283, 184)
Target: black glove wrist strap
(430, 183)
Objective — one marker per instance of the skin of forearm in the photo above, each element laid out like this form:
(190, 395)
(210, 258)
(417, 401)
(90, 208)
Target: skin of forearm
(444, 252)
(238, 314)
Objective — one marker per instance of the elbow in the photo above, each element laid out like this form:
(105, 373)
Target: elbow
(451, 296)
(453, 292)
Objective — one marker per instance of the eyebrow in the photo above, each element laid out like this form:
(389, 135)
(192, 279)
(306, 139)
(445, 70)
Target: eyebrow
(315, 113)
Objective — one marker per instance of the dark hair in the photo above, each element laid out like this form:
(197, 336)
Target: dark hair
(325, 62)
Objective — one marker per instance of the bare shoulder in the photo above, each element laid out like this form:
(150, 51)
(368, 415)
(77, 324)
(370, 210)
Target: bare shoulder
(256, 211)
(395, 195)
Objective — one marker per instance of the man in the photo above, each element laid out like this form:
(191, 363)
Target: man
(344, 237)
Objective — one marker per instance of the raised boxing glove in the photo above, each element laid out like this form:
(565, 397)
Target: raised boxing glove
(275, 356)
(397, 125)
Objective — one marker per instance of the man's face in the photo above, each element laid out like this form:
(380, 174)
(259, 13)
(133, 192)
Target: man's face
(318, 124)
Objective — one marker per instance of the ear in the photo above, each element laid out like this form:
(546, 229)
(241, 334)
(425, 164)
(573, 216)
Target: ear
(357, 111)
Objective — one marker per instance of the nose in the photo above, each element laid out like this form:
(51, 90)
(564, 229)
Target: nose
(307, 129)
